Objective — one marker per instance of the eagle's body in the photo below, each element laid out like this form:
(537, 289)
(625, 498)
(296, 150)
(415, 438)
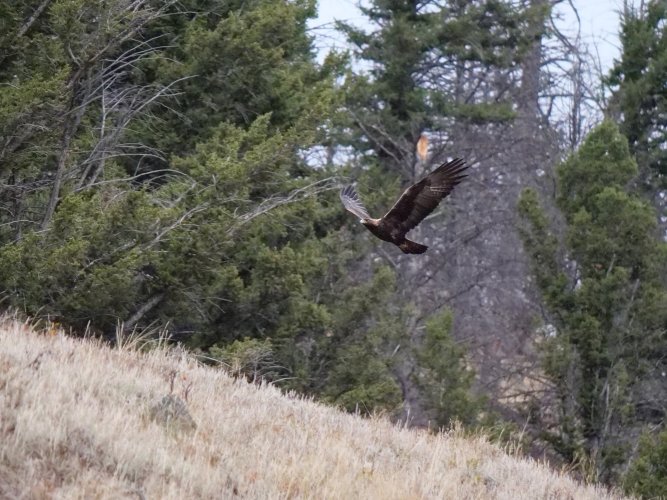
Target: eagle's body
(387, 232)
(412, 207)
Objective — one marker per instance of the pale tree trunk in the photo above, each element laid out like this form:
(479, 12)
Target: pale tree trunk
(531, 67)
(71, 127)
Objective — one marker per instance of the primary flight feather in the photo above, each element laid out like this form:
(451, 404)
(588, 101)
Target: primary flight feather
(412, 207)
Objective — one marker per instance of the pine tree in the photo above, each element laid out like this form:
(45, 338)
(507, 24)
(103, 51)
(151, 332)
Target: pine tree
(439, 70)
(637, 79)
(416, 79)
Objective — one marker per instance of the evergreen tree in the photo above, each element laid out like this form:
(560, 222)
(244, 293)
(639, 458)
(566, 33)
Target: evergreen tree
(606, 300)
(637, 79)
(239, 61)
(61, 101)
(418, 54)
(440, 70)
(160, 244)
(444, 377)
(647, 475)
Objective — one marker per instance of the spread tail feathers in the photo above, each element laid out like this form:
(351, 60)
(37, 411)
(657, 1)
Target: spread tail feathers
(408, 246)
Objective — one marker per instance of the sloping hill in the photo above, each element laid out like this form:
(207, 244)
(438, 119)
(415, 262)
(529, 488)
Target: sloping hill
(81, 420)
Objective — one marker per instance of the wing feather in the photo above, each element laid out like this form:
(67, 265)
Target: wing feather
(352, 203)
(421, 198)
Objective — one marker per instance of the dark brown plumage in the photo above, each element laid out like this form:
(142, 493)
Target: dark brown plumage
(412, 207)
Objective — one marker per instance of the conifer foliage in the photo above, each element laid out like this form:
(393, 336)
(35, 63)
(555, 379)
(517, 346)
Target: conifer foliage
(607, 305)
(637, 79)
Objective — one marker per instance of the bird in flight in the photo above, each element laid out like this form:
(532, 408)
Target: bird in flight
(412, 207)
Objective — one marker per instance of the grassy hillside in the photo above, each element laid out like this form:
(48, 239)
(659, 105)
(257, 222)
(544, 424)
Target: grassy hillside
(81, 420)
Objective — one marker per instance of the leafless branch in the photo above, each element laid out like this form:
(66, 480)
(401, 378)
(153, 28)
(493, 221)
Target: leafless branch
(142, 311)
(274, 202)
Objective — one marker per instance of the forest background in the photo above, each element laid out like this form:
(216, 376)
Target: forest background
(174, 165)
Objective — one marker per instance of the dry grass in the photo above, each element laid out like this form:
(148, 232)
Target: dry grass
(75, 422)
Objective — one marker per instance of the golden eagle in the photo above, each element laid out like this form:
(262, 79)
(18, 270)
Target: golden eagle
(412, 207)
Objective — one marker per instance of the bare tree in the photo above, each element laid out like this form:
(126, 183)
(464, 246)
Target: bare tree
(98, 66)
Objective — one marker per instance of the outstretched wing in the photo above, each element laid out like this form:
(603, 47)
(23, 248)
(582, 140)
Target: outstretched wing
(421, 198)
(352, 203)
